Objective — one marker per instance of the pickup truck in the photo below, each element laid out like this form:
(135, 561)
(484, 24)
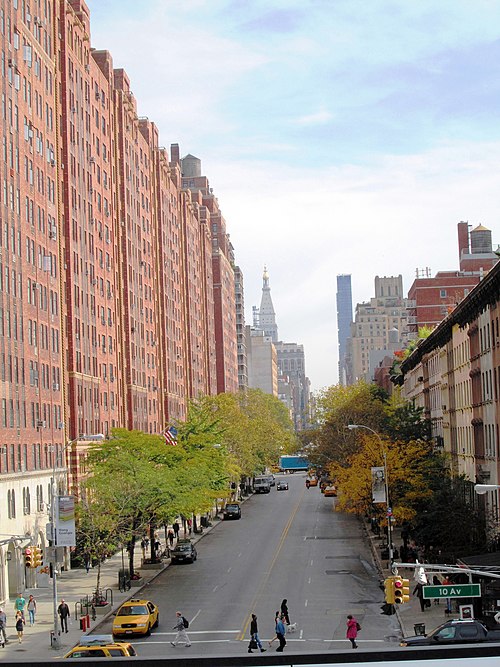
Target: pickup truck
(455, 632)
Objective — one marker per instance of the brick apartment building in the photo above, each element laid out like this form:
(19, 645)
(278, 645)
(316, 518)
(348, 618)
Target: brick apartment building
(116, 277)
(454, 374)
(432, 298)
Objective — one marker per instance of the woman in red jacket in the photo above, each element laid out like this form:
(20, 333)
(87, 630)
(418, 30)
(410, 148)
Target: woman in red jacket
(352, 630)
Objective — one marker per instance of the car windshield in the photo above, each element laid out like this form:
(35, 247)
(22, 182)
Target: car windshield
(232, 507)
(183, 547)
(133, 610)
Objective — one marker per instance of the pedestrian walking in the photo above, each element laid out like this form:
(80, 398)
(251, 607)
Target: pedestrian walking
(176, 528)
(446, 582)
(352, 630)
(419, 592)
(254, 636)
(171, 537)
(143, 547)
(64, 615)
(3, 627)
(280, 633)
(32, 609)
(157, 547)
(180, 626)
(189, 525)
(19, 604)
(20, 626)
(284, 612)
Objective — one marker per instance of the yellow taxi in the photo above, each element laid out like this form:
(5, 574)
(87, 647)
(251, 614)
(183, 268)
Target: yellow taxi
(136, 617)
(330, 491)
(313, 481)
(100, 646)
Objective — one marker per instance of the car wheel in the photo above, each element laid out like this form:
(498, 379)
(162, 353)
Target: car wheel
(157, 622)
(148, 631)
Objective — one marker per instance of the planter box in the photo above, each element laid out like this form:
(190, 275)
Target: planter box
(136, 583)
(103, 609)
(152, 566)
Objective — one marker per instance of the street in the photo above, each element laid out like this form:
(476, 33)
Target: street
(288, 544)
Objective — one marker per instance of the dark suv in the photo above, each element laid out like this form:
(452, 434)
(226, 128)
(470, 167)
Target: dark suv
(184, 552)
(232, 511)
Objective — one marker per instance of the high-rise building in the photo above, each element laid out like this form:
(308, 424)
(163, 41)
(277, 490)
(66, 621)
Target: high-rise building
(262, 361)
(240, 329)
(294, 384)
(222, 255)
(265, 317)
(372, 332)
(115, 274)
(344, 319)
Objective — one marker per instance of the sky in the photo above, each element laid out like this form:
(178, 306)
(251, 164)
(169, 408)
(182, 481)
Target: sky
(339, 136)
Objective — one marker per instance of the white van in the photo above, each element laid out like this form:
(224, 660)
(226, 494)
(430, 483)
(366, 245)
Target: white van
(261, 484)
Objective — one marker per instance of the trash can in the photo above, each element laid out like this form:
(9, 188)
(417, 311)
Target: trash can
(419, 629)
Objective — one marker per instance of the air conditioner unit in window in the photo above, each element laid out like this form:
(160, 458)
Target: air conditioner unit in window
(91, 160)
(55, 386)
(41, 424)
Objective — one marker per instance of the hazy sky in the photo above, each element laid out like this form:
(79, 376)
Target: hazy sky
(340, 136)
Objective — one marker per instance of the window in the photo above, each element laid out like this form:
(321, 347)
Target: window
(442, 293)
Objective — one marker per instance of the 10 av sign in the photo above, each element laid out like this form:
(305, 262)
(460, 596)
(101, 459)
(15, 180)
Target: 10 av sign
(452, 591)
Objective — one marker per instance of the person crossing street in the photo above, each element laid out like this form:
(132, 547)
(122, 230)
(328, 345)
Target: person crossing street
(181, 635)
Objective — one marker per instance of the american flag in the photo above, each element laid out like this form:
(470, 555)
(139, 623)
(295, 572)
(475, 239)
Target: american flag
(170, 435)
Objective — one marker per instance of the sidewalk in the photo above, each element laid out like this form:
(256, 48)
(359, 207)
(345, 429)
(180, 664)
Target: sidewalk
(410, 613)
(73, 585)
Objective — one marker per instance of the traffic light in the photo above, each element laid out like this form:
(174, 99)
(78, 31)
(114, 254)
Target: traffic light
(398, 590)
(406, 590)
(37, 557)
(389, 590)
(28, 557)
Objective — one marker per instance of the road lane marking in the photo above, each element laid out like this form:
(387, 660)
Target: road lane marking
(195, 616)
(306, 603)
(301, 634)
(229, 569)
(273, 561)
(199, 632)
(309, 580)
(311, 562)
(239, 555)
(215, 588)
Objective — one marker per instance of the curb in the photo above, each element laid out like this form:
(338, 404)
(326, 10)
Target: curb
(195, 540)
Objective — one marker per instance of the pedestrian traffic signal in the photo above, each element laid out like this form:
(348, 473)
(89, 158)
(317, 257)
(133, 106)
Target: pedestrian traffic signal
(398, 590)
(28, 558)
(389, 590)
(37, 557)
(406, 590)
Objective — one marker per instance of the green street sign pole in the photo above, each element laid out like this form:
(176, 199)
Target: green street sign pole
(452, 591)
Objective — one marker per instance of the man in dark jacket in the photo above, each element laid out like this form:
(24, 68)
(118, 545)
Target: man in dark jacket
(254, 634)
(63, 611)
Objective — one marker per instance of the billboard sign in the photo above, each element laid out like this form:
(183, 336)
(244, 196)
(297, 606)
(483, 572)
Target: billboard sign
(65, 522)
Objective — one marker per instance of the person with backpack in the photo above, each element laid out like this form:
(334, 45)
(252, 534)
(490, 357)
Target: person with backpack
(181, 625)
(353, 627)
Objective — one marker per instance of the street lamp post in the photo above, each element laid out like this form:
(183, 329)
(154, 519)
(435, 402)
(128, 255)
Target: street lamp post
(386, 479)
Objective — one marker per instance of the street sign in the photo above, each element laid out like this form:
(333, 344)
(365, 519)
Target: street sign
(497, 617)
(452, 591)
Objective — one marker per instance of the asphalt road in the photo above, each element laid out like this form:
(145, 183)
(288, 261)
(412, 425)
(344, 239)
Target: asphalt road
(288, 544)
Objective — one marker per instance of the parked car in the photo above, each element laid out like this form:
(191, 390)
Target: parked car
(136, 617)
(232, 511)
(184, 552)
(330, 491)
(454, 632)
(100, 646)
(282, 486)
(272, 480)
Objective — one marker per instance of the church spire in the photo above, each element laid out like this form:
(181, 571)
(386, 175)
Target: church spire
(267, 317)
